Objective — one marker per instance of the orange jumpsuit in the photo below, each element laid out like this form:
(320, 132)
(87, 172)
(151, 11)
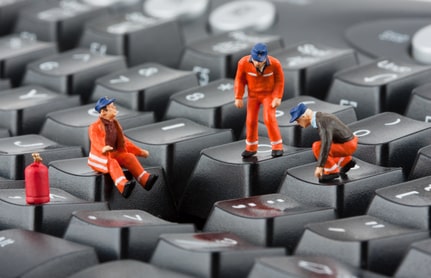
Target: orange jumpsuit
(123, 155)
(262, 88)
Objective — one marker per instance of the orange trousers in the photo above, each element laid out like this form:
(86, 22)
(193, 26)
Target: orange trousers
(252, 137)
(339, 154)
(119, 160)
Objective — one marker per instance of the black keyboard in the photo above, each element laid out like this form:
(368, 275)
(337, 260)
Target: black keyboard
(171, 67)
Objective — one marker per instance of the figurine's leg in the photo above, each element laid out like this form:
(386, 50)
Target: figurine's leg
(117, 174)
(130, 162)
(271, 124)
(252, 125)
(331, 165)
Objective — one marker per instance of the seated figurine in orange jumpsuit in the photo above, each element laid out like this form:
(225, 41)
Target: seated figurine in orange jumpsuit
(263, 75)
(336, 145)
(110, 150)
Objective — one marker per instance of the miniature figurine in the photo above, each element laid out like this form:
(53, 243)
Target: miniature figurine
(263, 75)
(336, 146)
(110, 150)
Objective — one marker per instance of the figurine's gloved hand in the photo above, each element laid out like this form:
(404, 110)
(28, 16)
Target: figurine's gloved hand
(318, 172)
(239, 103)
(144, 153)
(276, 102)
(107, 148)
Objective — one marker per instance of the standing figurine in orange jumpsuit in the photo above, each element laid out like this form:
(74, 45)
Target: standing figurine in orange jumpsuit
(336, 146)
(110, 150)
(263, 75)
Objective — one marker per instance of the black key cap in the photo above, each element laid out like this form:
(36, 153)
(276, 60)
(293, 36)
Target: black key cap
(7, 183)
(209, 254)
(50, 218)
(146, 87)
(176, 145)
(77, 178)
(58, 21)
(292, 134)
(138, 37)
(391, 38)
(131, 234)
(33, 254)
(23, 109)
(266, 220)
(419, 105)
(70, 126)
(17, 50)
(15, 153)
(416, 261)
(406, 204)
(383, 137)
(350, 194)
(221, 174)
(382, 85)
(217, 56)
(306, 266)
(362, 241)
(9, 11)
(4, 84)
(211, 105)
(72, 72)
(421, 164)
(309, 68)
(127, 268)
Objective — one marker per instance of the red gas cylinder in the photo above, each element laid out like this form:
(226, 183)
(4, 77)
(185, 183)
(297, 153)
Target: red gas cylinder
(36, 182)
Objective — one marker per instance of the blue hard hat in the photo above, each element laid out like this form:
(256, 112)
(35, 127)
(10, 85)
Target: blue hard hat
(103, 102)
(259, 52)
(297, 111)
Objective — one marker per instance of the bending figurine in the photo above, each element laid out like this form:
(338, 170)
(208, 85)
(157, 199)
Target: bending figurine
(110, 150)
(263, 75)
(336, 146)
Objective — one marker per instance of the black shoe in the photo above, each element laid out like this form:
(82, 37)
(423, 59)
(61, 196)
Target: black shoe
(348, 166)
(128, 188)
(246, 153)
(328, 177)
(150, 182)
(276, 153)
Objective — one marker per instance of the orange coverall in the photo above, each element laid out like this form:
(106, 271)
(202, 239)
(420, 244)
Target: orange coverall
(124, 155)
(262, 88)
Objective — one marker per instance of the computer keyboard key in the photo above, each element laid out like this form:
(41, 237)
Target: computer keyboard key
(137, 36)
(242, 15)
(309, 67)
(4, 84)
(416, 261)
(121, 234)
(7, 183)
(176, 145)
(419, 105)
(349, 194)
(72, 72)
(127, 268)
(391, 38)
(294, 135)
(32, 254)
(305, 267)
(390, 139)
(58, 21)
(10, 13)
(421, 164)
(378, 86)
(209, 254)
(23, 109)
(406, 204)
(15, 153)
(146, 87)
(50, 218)
(364, 241)
(17, 50)
(221, 174)
(115, 5)
(266, 220)
(216, 57)
(70, 126)
(211, 105)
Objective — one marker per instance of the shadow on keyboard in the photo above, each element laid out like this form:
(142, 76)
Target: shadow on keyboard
(171, 67)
